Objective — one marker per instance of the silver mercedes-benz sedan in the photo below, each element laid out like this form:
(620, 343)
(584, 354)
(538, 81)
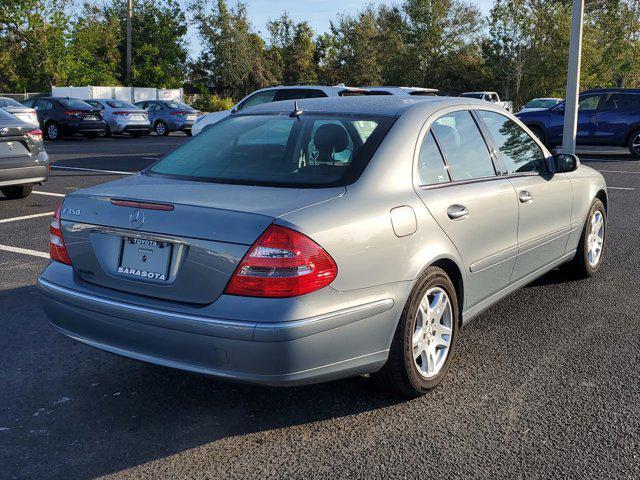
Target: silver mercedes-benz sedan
(302, 242)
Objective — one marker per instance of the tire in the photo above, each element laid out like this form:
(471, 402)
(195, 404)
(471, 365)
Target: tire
(106, 133)
(16, 192)
(634, 144)
(585, 264)
(52, 131)
(161, 129)
(90, 135)
(188, 132)
(404, 375)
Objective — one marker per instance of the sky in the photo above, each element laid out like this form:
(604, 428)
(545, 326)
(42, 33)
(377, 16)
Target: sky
(317, 12)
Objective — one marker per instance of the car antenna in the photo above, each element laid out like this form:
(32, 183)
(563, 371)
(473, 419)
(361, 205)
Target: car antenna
(296, 111)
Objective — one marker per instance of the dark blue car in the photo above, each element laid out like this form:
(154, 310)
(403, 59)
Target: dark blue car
(606, 117)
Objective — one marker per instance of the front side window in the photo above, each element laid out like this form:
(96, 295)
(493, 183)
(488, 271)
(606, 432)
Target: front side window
(431, 167)
(277, 150)
(293, 94)
(463, 146)
(518, 151)
(589, 103)
(258, 99)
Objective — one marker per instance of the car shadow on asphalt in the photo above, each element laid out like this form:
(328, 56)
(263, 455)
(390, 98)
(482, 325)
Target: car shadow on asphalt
(72, 411)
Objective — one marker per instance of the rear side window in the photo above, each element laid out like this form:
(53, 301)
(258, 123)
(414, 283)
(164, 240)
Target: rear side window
(622, 101)
(278, 150)
(297, 94)
(431, 167)
(463, 146)
(518, 151)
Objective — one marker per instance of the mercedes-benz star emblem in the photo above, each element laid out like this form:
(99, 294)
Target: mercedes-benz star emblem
(136, 219)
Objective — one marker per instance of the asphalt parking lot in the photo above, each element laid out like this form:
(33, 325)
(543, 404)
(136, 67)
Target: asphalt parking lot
(544, 384)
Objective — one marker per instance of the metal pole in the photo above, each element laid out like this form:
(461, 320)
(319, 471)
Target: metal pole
(129, 15)
(573, 79)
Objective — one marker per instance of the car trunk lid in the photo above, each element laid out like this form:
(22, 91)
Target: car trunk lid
(192, 234)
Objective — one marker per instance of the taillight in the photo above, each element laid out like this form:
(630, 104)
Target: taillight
(74, 113)
(282, 263)
(35, 135)
(57, 249)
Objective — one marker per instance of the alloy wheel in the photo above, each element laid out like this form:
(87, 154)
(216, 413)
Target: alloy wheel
(52, 131)
(432, 332)
(635, 143)
(595, 240)
(160, 128)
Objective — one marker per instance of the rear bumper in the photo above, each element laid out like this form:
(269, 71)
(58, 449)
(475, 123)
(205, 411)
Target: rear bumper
(70, 128)
(327, 347)
(30, 172)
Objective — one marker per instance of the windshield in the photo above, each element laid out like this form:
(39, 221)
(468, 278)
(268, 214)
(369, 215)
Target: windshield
(74, 103)
(120, 104)
(541, 103)
(179, 105)
(278, 150)
(9, 102)
(473, 95)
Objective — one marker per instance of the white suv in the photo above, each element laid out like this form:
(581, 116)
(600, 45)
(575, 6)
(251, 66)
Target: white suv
(276, 94)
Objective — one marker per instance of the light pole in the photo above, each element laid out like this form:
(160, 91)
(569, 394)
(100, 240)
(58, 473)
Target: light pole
(573, 79)
(129, 14)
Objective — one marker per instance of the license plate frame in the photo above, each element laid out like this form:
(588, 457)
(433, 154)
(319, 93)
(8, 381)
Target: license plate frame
(145, 259)
(191, 117)
(91, 118)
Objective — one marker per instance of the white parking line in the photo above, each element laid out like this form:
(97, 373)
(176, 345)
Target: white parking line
(51, 194)
(620, 188)
(26, 217)
(616, 171)
(97, 170)
(150, 158)
(24, 251)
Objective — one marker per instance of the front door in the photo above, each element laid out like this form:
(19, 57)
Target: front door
(476, 208)
(544, 199)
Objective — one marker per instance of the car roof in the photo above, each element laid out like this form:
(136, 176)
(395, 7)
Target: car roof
(611, 90)
(390, 105)
(400, 88)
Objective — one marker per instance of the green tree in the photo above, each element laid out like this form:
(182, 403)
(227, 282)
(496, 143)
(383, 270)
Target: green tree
(94, 48)
(159, 49)
(233, 55)
(35, 35)
(291, 51)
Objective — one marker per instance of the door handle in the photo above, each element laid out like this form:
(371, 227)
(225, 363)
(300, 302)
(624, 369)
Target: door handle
(457, 212)
(525, 197)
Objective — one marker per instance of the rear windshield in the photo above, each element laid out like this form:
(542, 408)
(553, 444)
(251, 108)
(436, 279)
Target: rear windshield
(120, 104)
(73, 103)
(542, 103)
(278, 150)
(473, 95)
(178, 105)
(9, 102)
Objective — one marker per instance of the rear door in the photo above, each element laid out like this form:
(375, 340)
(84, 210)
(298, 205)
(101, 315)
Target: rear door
(474, 206)
(544, 199)
(617, 114)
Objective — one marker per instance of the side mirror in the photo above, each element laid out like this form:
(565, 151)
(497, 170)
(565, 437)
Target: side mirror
(565, 162)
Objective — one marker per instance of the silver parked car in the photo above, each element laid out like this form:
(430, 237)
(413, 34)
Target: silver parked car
(302, 242)
(18, 110)
(122, 117)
